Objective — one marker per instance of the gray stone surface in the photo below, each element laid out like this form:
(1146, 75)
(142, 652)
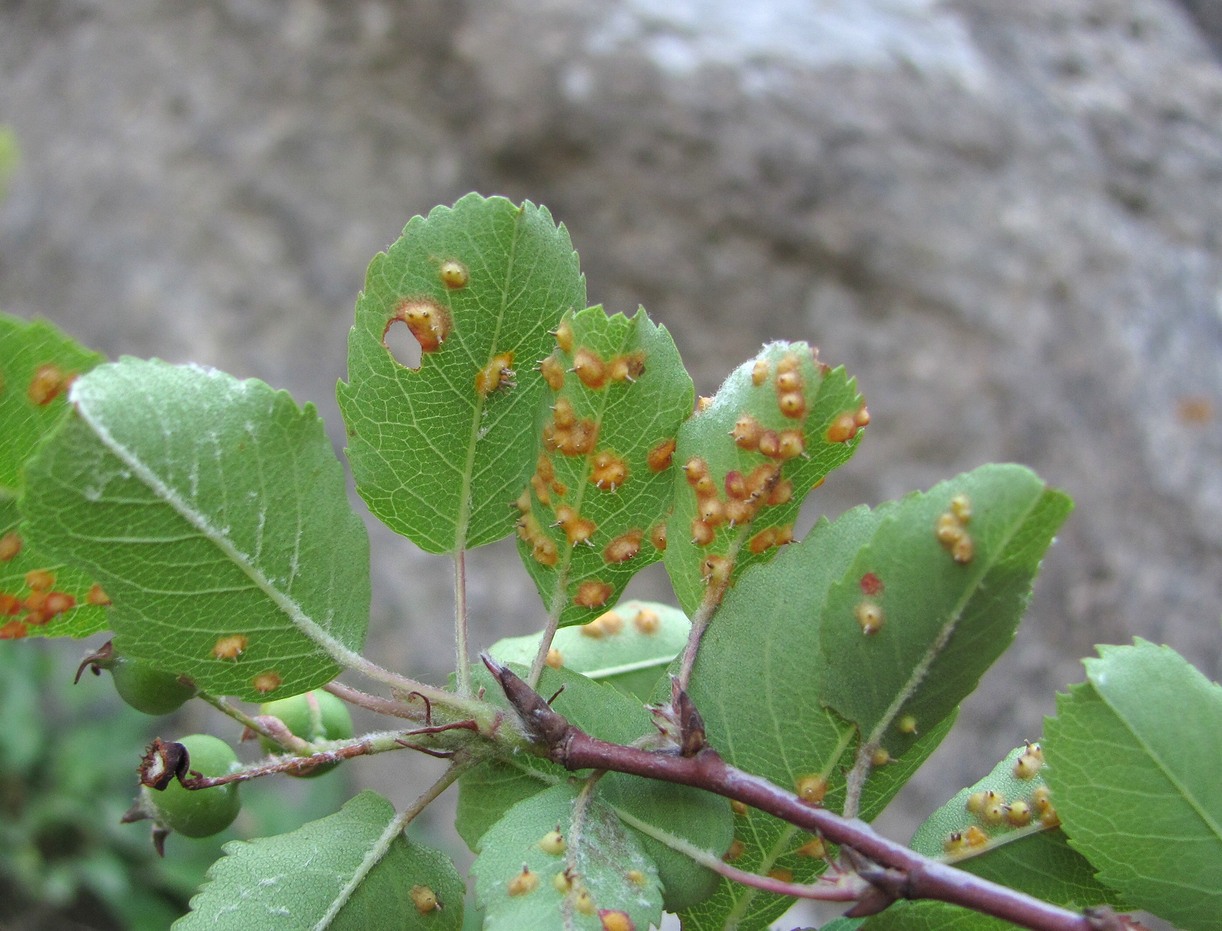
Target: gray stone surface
(1003, 217)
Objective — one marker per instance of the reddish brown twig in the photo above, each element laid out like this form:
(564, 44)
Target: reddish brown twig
(891, 870)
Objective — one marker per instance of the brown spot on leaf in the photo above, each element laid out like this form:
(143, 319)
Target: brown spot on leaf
(230, 647)
(454, 274)
(266, 682)
(593, 593)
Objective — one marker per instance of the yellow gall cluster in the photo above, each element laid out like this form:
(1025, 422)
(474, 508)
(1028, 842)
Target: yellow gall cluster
(48, 383)
(607, 470)
(869, 615)
(605, 625)
(553, 843)
(844, 426)
(647, 622)
(814, 848)
(811, 788)
(567, 433)
(790, 396)
(497, 374)
(10, 546)
(524, 883)
(583, 902)
(230, 647)
(552, 370)
(425, 899)
(624, 547)
(951, 529)
(734, 851)
(543, 549)
(576, 529)
(1029, 762)
(544, 484)
(554, 658)
(266, 682)
(627, 367)
(657, 536)
(39, 604)
(596, 372)
(615, 920)
(759, 372)
(427, 320)
(590, 368)
(564, 336)
(593, 594)
(992, 809)
(749, 434)
(660, 456)
(454, 274)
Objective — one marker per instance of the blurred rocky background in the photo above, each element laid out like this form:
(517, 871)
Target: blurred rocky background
(1004, 217)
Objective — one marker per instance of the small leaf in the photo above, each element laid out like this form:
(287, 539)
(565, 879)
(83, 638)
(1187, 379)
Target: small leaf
(773, 431)
(628, 647)
(1134, 755)
(440, 449)
(934, 598)
(307, 879)
(557, 860)
(603, 479)
(1004, 828)
(213, 512)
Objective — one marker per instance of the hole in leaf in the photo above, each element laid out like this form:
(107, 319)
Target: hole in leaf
(403, 346)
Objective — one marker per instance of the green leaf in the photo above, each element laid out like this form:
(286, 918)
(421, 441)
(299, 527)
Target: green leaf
(37, 365)
(34, 612)
(758, 685)
(747, 460)
(526, 877)
(338, 872)
(628, 647)
(1011, 836)
(214, 514)
(910, 628)
(932, 916)
(1134, 755)
(603, 480)
(479, 286)
(653, 810)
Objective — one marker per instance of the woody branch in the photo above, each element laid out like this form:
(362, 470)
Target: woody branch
(891, 870)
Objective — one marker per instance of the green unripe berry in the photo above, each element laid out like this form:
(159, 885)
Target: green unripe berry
(200, 812)
(147, 688)
(313, 716)
(138, 682)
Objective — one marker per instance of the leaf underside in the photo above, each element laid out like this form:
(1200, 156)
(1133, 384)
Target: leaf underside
(227, 545)
(1134, 755)
(296, 880)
